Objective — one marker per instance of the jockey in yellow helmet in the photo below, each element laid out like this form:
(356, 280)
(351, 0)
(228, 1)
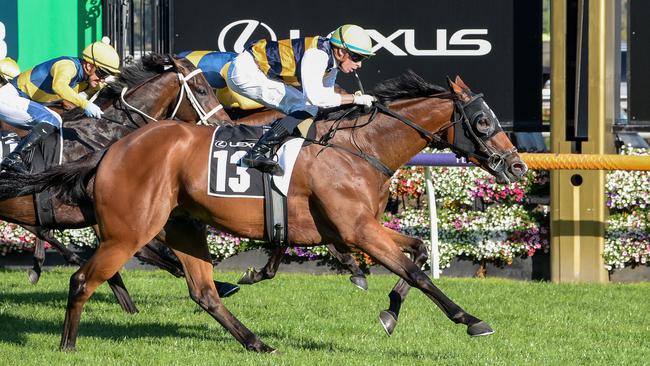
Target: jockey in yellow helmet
(62, 78)
(269, 71)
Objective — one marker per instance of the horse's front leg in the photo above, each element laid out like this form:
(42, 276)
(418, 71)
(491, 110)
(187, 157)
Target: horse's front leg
(378, 243)
(252, 276)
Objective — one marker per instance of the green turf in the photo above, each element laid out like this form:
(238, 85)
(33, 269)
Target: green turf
(324, 320)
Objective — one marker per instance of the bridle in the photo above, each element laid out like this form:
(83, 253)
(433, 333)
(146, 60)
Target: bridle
(185, 88)
(468, 113)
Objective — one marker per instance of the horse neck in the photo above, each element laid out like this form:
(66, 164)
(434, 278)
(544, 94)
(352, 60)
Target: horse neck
(154, 98)
(395, 143)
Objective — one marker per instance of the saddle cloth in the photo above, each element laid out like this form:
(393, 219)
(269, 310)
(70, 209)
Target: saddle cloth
(229, 145)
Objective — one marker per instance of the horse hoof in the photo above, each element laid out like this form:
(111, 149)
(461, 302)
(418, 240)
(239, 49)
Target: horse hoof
(360, 282)
(479, 329)
(246, 278)
(33, 276)
(226, 289)
(388, 321)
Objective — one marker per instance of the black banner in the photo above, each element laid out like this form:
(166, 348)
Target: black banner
(495, 46)
(9, 29)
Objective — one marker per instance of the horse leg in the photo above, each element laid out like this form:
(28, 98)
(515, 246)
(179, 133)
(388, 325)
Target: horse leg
(34, 274)
(358, 278)
(379, 244)
(104, 264)
(191, 248)
(156, 254)
(252, 276)
(115, 283)
(418, 250)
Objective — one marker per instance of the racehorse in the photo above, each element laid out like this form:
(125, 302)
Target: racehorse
(334, 196)
(154, 93)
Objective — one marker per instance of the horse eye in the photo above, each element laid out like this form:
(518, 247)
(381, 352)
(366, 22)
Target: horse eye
(201, 91)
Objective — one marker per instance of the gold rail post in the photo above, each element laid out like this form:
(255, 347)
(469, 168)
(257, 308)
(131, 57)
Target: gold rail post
(578, 209)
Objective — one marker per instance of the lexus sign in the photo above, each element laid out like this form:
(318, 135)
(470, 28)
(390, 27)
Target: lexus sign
(495, 46)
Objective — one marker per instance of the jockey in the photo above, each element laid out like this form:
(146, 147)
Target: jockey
(215, 65)
(59, 79)
(268, 72)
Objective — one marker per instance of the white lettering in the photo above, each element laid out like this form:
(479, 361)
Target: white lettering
(461, 43)
(3, 44)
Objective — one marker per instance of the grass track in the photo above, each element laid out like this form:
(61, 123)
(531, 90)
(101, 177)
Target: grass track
(324, 320)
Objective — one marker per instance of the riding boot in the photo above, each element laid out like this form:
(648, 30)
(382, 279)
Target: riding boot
(256, 156)
(14, 161)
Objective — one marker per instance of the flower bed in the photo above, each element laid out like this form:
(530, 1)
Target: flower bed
(478, 219)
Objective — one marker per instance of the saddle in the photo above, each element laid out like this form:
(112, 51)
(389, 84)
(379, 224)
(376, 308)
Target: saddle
(46, 154)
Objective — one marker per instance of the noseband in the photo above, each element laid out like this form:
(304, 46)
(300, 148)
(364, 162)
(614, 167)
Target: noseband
(190, 95)
(470, 114)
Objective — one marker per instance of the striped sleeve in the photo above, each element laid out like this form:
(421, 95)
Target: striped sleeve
(62, 74)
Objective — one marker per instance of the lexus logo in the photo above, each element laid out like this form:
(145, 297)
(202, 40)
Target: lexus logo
(245, 35)
(401, 42)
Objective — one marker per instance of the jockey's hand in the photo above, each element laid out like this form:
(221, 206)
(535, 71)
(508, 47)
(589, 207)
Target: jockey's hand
(67, 105)
(92, 110)
(364, 99)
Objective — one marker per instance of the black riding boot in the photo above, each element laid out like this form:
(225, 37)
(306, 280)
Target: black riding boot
(14, 161)
(256, 156)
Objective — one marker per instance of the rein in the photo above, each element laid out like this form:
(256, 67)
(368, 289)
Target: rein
(185, 88)
(494, 161)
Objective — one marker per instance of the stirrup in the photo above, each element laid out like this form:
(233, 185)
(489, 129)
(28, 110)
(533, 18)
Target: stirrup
(263, 164)
(12, 165)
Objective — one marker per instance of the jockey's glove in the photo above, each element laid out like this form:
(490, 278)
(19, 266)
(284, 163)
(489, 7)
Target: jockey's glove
(364, 99)
(92, 110)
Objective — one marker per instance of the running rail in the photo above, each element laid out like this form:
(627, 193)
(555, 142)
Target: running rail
(540, 161)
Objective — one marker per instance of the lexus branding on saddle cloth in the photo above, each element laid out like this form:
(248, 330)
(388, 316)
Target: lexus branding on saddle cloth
(227, 179)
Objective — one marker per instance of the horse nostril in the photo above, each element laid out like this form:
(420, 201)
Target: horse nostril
(518, 168)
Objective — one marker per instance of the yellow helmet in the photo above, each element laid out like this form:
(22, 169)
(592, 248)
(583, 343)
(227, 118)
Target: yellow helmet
(352, 38)
(103, 56)
(9, 69)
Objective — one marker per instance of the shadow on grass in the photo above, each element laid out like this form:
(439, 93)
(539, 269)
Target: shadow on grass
(45, 296)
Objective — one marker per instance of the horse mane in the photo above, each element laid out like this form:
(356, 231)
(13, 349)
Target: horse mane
(407, 85)
(132, 75)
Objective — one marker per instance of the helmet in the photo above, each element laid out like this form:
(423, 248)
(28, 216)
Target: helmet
(9, 69)
(352, 38)
(103, 56)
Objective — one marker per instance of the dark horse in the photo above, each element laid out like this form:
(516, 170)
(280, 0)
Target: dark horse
(334, 197)
(155, 93)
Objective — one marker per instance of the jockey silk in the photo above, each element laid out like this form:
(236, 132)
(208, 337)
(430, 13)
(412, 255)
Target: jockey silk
(282, 59)
(53, 80)
(211, 62)
(215, 66)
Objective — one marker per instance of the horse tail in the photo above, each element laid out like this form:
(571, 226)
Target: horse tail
(68, 181)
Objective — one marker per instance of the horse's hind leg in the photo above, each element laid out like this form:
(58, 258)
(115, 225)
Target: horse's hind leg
(34, 274)
(378, 243)
(418, 250)
(191, 248)
(358, 278)
(104, 264)
(252, 276)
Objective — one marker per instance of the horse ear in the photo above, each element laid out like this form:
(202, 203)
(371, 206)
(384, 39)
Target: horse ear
(460, 83)
(172, 61)
(453, 86)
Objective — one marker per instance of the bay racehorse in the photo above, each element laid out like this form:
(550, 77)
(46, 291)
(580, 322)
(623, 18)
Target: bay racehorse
(179, 91)
(334, 197)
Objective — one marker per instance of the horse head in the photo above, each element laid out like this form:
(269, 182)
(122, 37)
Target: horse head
(196, 95)
(478, 135)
